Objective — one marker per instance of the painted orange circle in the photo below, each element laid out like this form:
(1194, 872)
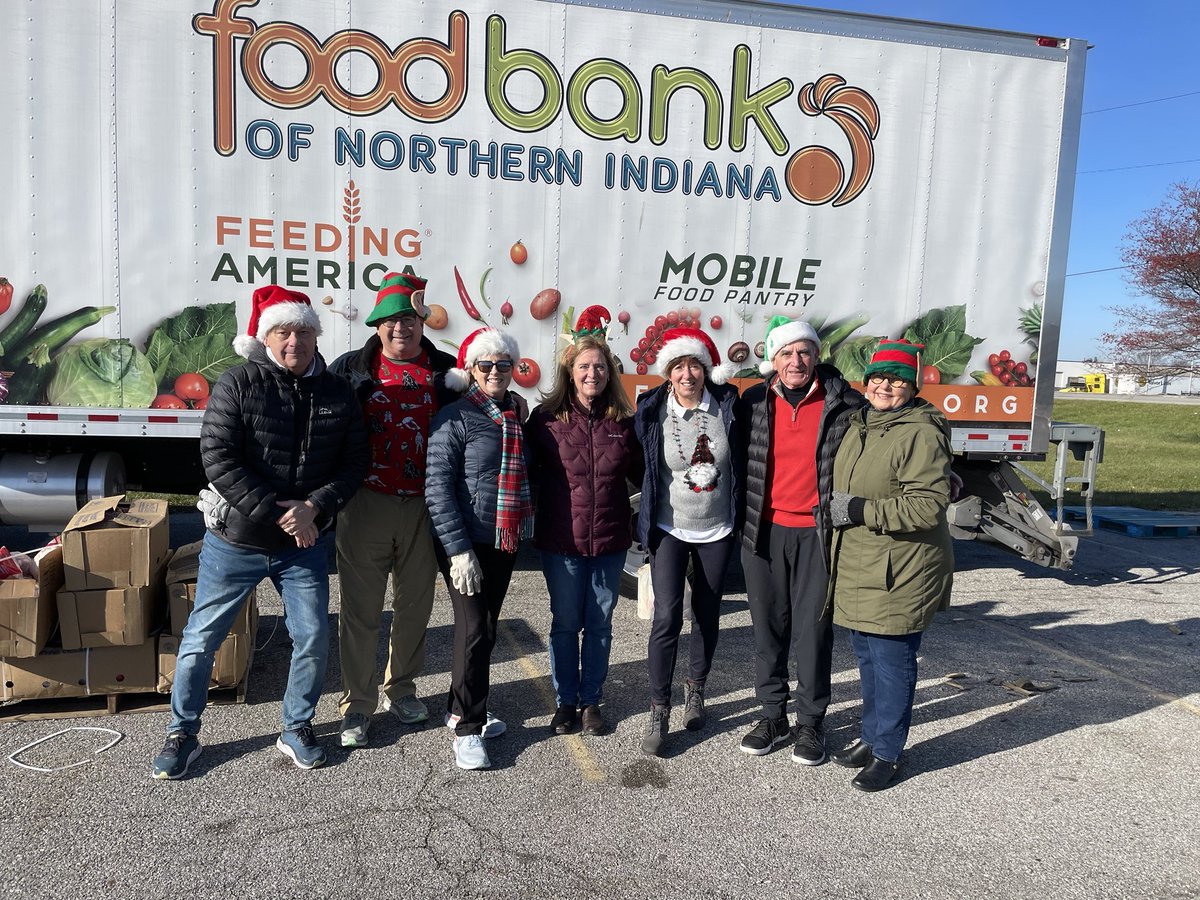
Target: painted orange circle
(814, 175)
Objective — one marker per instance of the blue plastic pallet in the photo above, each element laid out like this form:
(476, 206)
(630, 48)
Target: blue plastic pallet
(1142, 523)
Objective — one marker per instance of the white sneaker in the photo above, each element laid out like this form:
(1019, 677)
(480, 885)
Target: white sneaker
(493, 727)
(469, 752)
(408, 709)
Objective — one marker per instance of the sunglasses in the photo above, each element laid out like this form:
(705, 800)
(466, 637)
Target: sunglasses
(893, 380)
(485, 365)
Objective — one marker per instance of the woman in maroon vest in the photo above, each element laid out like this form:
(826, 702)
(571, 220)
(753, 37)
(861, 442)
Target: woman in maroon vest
(584, 450)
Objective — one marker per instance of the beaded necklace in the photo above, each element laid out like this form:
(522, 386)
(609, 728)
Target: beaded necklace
(701, 473)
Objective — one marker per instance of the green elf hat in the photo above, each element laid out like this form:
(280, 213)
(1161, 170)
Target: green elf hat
(782, 331)
(899, 358)
(593, 322)
(399, 294)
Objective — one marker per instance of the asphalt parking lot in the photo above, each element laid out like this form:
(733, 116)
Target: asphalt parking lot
(1084, 788)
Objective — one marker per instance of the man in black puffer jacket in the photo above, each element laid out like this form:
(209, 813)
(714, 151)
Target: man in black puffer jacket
(797, 419)
(284, 447)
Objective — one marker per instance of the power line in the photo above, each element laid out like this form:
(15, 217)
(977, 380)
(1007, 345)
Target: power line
(1141, 103)
(1094, 271)
(1178, 162)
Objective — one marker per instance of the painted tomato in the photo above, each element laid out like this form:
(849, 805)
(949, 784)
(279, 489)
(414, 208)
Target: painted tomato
(167, 401)
(191, 386)
(518, 253)
(527, 373)
(930, 375)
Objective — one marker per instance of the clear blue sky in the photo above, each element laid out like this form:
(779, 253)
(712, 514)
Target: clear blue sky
(1140, 52)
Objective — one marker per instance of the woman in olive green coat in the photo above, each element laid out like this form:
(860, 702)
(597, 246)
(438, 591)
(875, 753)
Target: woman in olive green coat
(892, 562)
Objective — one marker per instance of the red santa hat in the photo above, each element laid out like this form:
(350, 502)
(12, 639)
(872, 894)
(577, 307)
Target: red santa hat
(681, 342)
(479, 343)
(271, 307)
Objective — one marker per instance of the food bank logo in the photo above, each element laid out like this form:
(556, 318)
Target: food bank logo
(814, 174)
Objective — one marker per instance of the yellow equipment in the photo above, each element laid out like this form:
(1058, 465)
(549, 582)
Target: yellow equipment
(1092, 383)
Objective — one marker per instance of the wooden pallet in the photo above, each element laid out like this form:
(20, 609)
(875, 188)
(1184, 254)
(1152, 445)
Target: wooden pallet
(1141, 523)
(107, 705)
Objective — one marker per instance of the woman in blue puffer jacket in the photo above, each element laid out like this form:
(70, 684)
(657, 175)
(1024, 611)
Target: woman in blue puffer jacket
(477, 491)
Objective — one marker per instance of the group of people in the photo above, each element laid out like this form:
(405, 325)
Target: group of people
(429, 462)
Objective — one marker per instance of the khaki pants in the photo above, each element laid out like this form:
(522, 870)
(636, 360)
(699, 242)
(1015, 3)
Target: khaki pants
(378, 535)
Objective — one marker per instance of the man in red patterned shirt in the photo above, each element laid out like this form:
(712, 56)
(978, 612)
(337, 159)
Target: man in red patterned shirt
(398, 378)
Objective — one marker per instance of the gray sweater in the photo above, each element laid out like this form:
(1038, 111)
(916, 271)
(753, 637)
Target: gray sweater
(687, 508)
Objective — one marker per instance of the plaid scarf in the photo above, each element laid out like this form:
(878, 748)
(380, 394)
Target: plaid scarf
(514, 509)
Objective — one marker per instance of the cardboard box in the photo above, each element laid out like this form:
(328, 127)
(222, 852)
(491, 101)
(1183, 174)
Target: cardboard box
(105, 547)
(230, 664)
(28, 610)
(183, 570)
(181, 598)
(80, 673)
(117, 617)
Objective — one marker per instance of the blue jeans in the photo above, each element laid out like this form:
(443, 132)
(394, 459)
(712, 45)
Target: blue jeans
(887, 667)
(583, 593)
(227, 573)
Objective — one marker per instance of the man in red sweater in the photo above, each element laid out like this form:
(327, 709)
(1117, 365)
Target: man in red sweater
(797, 418)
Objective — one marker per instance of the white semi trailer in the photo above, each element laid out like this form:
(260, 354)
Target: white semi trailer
(712, 162)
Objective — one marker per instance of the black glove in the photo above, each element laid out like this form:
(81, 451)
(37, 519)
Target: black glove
(846, 509)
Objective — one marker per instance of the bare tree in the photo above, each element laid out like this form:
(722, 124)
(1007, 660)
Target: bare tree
(1160, 337)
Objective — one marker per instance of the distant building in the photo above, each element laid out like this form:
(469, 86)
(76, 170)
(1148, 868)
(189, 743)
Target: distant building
(1126, 381)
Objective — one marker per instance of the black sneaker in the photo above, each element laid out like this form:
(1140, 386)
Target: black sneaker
(765, 736)
(810, 746)
(693, 707)
(179, 752)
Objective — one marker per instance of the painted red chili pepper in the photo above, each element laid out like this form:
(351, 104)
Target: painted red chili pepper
(6, 292)
(465, 297)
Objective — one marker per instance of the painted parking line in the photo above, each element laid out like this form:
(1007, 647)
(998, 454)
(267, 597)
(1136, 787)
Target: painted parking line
(585, 762)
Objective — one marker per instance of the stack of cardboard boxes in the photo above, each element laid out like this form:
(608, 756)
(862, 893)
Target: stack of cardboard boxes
(106, 592)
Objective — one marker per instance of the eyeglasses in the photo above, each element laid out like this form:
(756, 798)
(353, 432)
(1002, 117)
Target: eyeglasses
(894, 380)
(485, 365)
(406, 321)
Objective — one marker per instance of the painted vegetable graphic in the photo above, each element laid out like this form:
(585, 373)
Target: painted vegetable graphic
(527, 373)
(438, 317)
(58, 332)
(738, 352)
(518, 254)
(545, 303)
(623, 318)
(506, 311)
(191, 386)
(6, 292)
(167, 401)
(467, 303)
(716, 322)
(22, 323)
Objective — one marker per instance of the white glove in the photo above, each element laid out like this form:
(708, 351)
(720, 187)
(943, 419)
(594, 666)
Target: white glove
(214, 506)
(465, 574)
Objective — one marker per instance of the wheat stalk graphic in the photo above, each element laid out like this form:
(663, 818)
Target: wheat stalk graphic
(350, 210)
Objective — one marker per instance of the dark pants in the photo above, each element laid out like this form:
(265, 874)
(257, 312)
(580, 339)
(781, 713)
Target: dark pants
(887, 667)
(786, 590)
(475, 618)
(668, 568)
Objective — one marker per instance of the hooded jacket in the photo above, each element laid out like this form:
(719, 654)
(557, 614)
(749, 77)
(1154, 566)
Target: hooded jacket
(581, 467)
(269, 435)
(841, 401)
(891, 574)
